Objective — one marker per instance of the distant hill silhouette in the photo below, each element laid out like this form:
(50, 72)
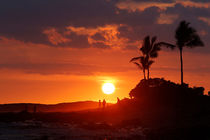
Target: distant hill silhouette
(165, 110)
(61, 107)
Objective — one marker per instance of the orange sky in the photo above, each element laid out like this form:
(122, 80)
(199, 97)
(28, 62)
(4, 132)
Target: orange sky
(54, 52)
(39, 84)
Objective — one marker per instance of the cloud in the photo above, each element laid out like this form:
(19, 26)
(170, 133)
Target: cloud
(203, 33)
(54, 37)
(26, 20)
(115, 24)
(134, 5)
(197, 4)
(62, 68)
(205, 19)
(50, 68)
(16, 56)
(167, 18)
(107, 35)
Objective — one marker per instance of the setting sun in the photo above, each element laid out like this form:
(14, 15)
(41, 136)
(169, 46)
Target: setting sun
(108, 88)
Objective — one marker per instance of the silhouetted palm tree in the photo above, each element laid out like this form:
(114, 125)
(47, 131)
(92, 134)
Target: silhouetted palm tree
(186, 36)
(149, 50)
(143, 63)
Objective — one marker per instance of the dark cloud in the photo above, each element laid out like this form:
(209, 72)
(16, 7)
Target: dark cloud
(201, 1)
(61, 68)
(26, 20)
(98, 37)
(162, 1)
(47, 68)
(100, 45)
(78, 41)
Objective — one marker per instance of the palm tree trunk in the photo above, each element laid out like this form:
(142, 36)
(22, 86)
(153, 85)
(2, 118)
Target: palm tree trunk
(144, 73)
(181, 59)
(148, 73)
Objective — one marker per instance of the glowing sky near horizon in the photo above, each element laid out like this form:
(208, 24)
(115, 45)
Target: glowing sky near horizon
(63, 51)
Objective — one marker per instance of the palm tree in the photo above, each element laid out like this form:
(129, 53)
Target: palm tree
(186, 36)
(149, 51)
(143, 63)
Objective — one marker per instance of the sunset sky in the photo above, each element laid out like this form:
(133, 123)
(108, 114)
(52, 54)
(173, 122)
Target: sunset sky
(54, 51)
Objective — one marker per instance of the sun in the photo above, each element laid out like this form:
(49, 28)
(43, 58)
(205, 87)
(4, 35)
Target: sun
(108, 88)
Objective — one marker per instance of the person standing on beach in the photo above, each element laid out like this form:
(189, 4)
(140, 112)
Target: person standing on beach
(99, 103)
(104, 103)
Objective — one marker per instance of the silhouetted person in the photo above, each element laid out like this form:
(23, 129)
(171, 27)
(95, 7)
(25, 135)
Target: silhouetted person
(118, 100)
(104, 103)
(99, 103)
(209, 93)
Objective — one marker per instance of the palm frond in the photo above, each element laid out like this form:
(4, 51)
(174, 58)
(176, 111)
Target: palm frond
(146, 45)
(195, 41)
(147, 41)
(187, 36)
(165, 44)
(150, 62)
(154, 51)
(134, 59)
(138, 65)
(154, 38)
(143, 49)
(153, 54)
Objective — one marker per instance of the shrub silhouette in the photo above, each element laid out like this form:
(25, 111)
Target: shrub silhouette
(160, 89)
